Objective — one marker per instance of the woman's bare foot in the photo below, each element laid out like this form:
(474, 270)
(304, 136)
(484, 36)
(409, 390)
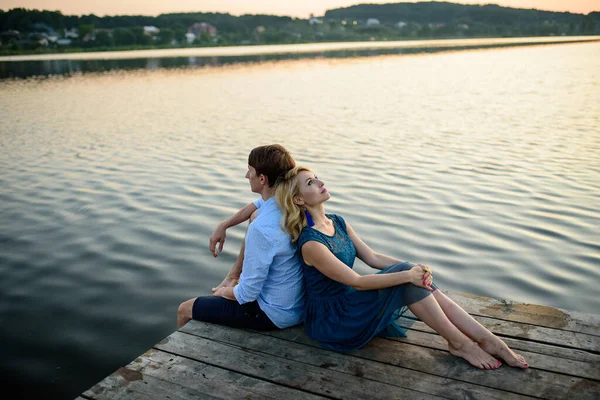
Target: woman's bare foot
(471, 352)
(493, 345)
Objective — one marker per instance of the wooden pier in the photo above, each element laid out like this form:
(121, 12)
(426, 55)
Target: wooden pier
(209, 361)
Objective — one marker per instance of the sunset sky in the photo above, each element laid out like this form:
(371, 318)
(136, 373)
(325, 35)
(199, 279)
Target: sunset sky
(295, 8)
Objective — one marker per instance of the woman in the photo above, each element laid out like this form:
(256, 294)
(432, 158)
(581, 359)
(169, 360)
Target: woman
(344, 309)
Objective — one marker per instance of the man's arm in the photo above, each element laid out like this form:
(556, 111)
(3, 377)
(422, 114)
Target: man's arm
(233, 277)
(219, 234)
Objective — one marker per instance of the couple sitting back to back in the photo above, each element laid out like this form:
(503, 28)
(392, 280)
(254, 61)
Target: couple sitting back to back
(295, 266)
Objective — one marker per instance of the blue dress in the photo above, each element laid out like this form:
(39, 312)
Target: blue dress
(340, 317)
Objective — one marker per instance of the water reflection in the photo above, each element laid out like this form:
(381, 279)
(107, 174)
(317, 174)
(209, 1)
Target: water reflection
(79, 64)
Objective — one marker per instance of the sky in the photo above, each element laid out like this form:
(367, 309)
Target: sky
(293, 8)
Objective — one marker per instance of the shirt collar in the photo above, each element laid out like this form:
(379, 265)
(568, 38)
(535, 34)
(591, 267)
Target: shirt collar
(266, 205)
(269, 202)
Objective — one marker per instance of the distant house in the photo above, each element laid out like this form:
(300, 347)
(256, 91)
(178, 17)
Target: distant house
(463, 26)
(71, 33)
(315, 21)
(190, 37)
(10, 34)
(151, 30)
(372, 22)
(63, 42)
(46, 31)
(39, 38)
(202, 27)
(401, 24)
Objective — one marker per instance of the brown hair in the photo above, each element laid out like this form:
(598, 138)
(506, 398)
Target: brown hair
(272, 161)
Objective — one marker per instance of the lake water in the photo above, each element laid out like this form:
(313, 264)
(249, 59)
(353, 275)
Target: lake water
(483, 164)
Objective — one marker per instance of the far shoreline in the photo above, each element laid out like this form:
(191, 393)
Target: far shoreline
(250, 50)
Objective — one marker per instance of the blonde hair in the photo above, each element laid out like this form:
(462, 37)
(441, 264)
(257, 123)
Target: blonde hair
(293, 219)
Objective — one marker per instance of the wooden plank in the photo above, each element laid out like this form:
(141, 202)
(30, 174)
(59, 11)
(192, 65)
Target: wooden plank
(555, 337)
(348, 364)
(184, 378)
(533, 314)
(586, 369)
(290, 373)
(519, 344)
(531, 381)
(123, 384)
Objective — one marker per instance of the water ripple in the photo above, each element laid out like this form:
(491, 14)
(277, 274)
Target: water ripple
(485, 169)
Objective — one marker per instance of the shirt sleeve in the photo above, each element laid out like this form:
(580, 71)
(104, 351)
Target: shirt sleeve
(258, 257)
(258, 202)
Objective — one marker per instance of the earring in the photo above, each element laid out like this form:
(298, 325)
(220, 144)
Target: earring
(309, 219)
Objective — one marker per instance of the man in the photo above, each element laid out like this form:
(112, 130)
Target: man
(270, 291)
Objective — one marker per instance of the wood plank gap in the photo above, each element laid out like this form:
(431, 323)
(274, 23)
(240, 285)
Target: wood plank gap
(287, 372)
(258, 352)
(209, 379)
(403, 367)
(552, 359)
(206, 331)
(531, 366)
(236, 371)
(539, 315)
(410, 315)
(525, 339)
(542, 384)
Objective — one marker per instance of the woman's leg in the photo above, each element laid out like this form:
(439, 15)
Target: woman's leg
(429, 311)
(474, 330)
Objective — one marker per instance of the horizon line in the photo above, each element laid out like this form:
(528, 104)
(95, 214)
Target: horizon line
(284, 15)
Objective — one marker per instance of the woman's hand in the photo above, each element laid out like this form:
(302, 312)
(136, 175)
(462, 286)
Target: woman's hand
(422, 276)
(428, 274)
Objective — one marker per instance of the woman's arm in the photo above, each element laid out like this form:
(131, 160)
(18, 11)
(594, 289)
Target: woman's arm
(319, 256)
(219, 234)
(366, 254)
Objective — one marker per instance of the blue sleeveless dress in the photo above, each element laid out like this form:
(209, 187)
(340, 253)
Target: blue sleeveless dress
(340, 317)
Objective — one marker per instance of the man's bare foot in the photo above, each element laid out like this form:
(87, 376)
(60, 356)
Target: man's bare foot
(495, 346)
(475, 356)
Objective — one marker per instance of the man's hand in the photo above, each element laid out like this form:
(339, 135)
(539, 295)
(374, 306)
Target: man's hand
(227, 282)
(225, 292)
(217, 237)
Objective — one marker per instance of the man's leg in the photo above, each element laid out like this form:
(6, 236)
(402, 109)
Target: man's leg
(184, 312)
(222, 311)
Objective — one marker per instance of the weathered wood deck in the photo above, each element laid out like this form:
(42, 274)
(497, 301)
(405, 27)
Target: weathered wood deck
(204, 360)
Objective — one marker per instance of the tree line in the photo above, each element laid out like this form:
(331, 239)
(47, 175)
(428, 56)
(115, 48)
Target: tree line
(361, 22)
